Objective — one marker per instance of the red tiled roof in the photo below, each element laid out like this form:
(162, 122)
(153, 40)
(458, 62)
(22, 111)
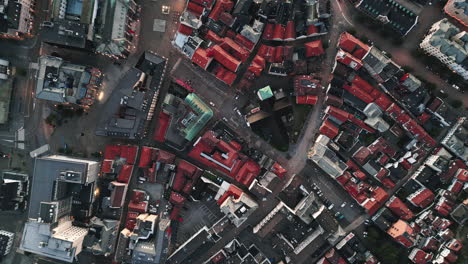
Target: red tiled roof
(359, 93)
(343, 179)
(246, 43)
(220, 7)
(424, 117)
(248, 173)
(444, 206)
(406, 164)
(383, 172)
(288, 52)
(230, 34)
(363, 84)
(349, 43)
(329, 130)
(145, 157)
(107, 166)
(333, 100)
(361, 123)
(218, 258)
(278, 32)
(314, 48)
(227, 19)
(129, 153)
(379, 194)
(161, 127)
(205, 3)
(311, 30)
(233, 191)
(399, 208)
(259, 60)
(210, 35)
(435, 104)
(278, 55)
(195, 9)
(177, 199)
(462, 175)
(200, 57)
(111, 152)
(118, 194)
(394, 111)
(290, 33)
(388, 183)
(130, 224)
(125, 173)
(266, 52)
(360, 53)
(268, 31)
(455, 187)
(360, 175)
(138, 195)
(278, 170)
(224, 75)
(361, 155)
(179, 181)
(185, 29)
(175, 213)
(383, 102)
(422, 198)
(375, 94)
(165, 157)
(337, 113)
(224, 58)
(235, 49)
(371, 206)
(352, 165)
(418, 256)
(140, 207)
(255, 68)
(307, 99)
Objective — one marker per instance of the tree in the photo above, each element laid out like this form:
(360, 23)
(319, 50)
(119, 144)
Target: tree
(456, 103)
(21, 71)
(443, 95)
(407, 68)
(51, 120)
(79, 111)
(431, 86)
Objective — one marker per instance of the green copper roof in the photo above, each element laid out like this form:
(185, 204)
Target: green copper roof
(265, 93)
(203, 112)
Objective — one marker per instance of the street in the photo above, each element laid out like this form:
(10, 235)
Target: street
(77, 132)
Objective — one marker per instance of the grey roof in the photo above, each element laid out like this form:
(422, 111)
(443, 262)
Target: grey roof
(46, 171)
(60, 81)
(144, 253)
(397, 16)
(66, 33)
(196, 245)
(450, 40)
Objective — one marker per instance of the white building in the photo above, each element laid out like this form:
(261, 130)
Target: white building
(449, 44)
(6, 242)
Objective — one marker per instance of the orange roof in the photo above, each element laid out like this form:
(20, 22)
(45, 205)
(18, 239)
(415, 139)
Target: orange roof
(200, 57)
(329, 130)
(314, 48)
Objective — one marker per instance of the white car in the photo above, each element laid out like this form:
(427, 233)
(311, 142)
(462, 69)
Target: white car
(212, 104)
(343, 204)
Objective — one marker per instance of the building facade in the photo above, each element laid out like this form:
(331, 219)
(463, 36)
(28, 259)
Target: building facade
(16, 18)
